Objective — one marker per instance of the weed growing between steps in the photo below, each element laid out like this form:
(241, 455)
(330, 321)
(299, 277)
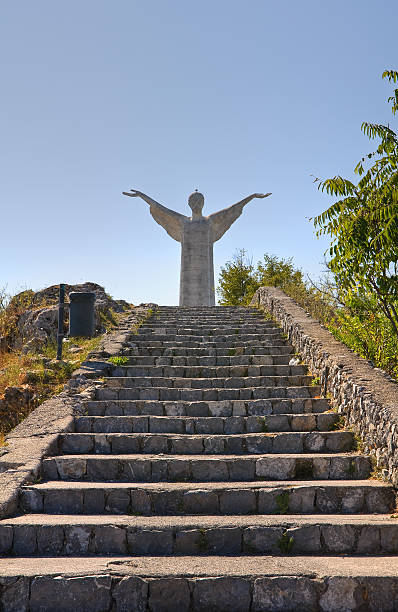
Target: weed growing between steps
(377, 472)
(263, 424)
(282, 502)
(285, 543)
(119, 360)
(339, 424)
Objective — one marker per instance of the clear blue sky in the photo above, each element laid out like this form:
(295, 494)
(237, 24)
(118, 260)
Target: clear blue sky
(230, 97)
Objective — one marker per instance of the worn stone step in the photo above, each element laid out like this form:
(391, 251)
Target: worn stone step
(203, 361)
(196, 444)
(52, 534)
(233, 382)
(210, 322)
(205, 309)
(220, 324)
(205, 425)
(192, 394)
(206, 583)
(255, 407)
(226, 498)
(204, 332)
(147, 349)
(206, 468)
(211, 343)
(213, 372)
(218, 339)
(191, 311)
(196, 392)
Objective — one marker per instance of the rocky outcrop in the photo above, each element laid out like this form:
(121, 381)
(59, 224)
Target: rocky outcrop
(38, 323)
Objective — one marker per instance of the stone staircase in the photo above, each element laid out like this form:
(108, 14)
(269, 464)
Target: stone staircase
(208, 474)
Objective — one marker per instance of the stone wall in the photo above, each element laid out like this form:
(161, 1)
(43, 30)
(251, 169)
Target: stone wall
(367, 395)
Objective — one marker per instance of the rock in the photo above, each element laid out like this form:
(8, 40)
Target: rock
(290, 593)
(339, 595)
(222, 593)
(168, 594)
(38, 324)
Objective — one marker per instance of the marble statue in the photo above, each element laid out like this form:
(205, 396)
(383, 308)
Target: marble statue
(196, 235)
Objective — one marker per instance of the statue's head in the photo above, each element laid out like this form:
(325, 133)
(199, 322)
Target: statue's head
(196, 202)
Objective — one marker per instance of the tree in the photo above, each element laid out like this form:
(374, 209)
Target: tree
(237, 282)
(363, 223)
(276, 272)
(239, 279)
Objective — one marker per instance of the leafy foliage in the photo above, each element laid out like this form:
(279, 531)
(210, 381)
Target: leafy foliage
(363, 223)
(356, 320)
(239, 279)
(119, 360)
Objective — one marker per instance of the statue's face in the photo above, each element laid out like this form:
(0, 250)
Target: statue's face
(196, 202)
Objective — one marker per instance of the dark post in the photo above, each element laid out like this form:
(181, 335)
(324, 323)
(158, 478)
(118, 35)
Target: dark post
(61, 307)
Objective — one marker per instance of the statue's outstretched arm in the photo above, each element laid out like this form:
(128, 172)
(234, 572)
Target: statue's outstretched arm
(170, 220)
(221, 221)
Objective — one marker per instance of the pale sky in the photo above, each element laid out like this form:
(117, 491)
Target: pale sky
(166, 96)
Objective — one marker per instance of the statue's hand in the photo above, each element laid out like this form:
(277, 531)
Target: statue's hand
(133, 193)
(261, 195)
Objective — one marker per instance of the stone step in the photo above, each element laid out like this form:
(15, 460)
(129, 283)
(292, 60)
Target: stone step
(211, 343)
(220, 323)
(206, 394)
(197, 444)
(213, 372)
(199, 351)
(234, 382)
(210, 322)
(218, 339)
(177, 468)
(211, 309)
(52, 534)
(205, 330)
(204, 361)
(192, 310)
(200, 584)
(227, 408)
(226, 498)
(206, 425)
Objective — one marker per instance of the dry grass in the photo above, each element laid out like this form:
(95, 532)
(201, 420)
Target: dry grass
(41, 374)
(12, 370)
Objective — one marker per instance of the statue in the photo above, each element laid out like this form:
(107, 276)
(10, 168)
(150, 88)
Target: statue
(196, 235)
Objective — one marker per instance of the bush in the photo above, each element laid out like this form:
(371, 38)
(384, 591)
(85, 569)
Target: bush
(357, 321)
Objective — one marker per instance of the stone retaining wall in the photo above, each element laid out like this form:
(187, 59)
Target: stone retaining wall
(37, 436)
(367, 395)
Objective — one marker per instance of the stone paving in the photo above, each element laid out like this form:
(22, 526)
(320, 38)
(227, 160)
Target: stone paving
(208, 473)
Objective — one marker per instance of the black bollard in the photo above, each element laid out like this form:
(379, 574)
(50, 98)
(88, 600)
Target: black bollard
(61, 307)
(81, 314)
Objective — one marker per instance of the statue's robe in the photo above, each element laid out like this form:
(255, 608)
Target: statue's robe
(196, 237)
